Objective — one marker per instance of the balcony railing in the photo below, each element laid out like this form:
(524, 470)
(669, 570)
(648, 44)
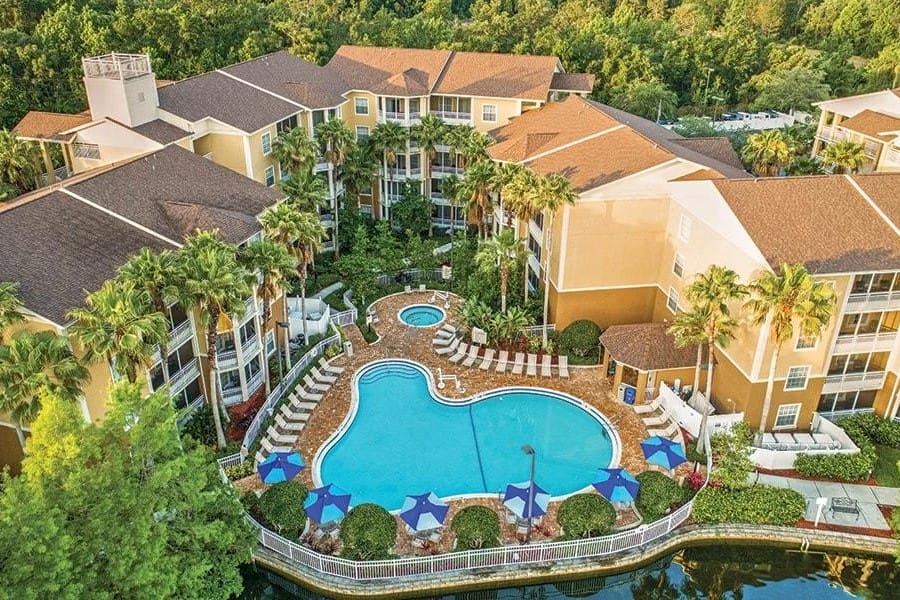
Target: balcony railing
(449, 115)
(872, 380)
(116, 66)
(250, 348)
(322, 164)
(187, 374)
(891, 157)
(59, 174)
(255, 383)
(227, 359)
(232, 395)
(874, 301)
(445, 170)
(436, 195)
(177, 337)
(250, 310)
(88, 151)
(866, 342)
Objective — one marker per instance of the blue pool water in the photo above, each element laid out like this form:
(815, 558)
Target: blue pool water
(421, 315)
(403, 441)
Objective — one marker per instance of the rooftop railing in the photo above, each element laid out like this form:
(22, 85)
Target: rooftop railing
(116, 66)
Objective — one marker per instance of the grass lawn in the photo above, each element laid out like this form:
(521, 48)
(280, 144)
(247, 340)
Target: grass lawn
(886, 472)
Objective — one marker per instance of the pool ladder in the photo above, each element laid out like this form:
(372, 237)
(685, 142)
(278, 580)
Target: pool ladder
(442, 378)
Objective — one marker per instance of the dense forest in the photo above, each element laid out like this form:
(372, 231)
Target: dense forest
(645, 53)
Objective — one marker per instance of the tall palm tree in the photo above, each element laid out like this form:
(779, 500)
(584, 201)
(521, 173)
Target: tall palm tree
(34, 364)
(295, 150)
(554, 191)
(504, 174)
(282, 225)
(787, 300)
(10, 306)
(120, 326)
(306, 189)
(338, 140)
(520, 194)
(469, 144)
(211, 280)
(430, 133)
(388, 139)
(359, 169)
(310, 234)
(501, 252)
(689, 329)
(274, 265)
(713, 291)
(18, 162)
(844, 156)
(451, 189)
(476, 187)
(767, 152)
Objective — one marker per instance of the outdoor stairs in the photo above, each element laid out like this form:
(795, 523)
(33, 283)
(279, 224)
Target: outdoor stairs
(289, 422)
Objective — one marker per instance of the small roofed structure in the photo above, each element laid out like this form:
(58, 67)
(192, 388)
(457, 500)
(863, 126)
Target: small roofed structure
(642, 355)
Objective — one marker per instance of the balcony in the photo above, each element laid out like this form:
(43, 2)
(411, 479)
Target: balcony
(402, 118)
(232, 395)
(444, 170)
(437, 197)
(833, 133)
(322, 164)
(848, 382)
(177, 337)
(182, 378)
(866, 342)
(227, 359)
(453, 116)
(327, 219)
(250, 348)
(255, 383)
(59, 174)
(116, 66)
(250, 310)
(873, 301)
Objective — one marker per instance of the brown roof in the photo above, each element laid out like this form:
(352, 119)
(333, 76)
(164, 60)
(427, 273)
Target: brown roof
(884, 190)
(717, 148)
(701, 175)
(39, 125)
(572, 82)
(161, 132)
(871, 123)
(498, 75)
(371, 67)
(820, 221)
(647, 347)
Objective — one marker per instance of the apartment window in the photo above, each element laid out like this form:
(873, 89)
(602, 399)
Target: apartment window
(672, 300)
(318, 117)
(787, 415)
(807, 342)
(266, 141)
(231, 380)
(489, 112)
(678, 266)
(684, 228)
(843, 401)
(252, 368)
(361, 106)
(414, 108)
(534, 246)
(362, 133)
(796, 378)
(287, 124)
(248, 332)
(270, 175)
(270, 342)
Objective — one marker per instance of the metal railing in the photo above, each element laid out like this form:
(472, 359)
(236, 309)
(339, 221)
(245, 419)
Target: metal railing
(82, 150)
(184, 376)
(869, 341)
(116, 66)
(344, 318)
(250, 348)
(452, 115)
(255, 383)
(538, 329)
(853, 381)
(873, 300)
(59, 174)
(227, 359)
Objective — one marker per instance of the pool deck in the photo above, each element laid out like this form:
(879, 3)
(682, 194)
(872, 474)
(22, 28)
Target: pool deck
(399, 340)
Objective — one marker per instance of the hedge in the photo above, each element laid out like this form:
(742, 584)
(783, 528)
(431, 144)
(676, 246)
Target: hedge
(758, 505)
(281, 506)
(866, 430)
(368, 533)
(586, 515)
(657, 494)
(580, 338)
(476, 527)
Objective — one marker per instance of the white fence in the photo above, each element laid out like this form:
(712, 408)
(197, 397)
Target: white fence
(347, 317)
(689, 419)
(784, 459)
(538, 329)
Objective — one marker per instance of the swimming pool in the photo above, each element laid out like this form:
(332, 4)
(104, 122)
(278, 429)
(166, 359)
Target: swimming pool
(421, 315)
(402, 438)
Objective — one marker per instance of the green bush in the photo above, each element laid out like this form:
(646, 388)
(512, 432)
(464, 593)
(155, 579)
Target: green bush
(586, 515)
(580, 338)
(850, 467)
(368, 533)
(250, 501)
(476, 527)
(657, 494)
(200, 426)
(877, 429)
(235, 472)
(281, 506)
(758, 504)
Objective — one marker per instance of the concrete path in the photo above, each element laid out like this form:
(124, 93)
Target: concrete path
(327, 290)
(868, 497)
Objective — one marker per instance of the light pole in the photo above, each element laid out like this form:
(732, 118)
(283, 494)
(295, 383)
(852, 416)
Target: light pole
(528, 507)
(709, 71)
(285, 327)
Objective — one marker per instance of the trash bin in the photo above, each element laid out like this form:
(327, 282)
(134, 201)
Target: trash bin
(348, 348)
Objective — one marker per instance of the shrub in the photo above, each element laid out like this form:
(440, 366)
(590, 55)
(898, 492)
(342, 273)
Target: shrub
(731, 456)
(476, 527)
(758, 504)
(850, 467)
(250, 501)
(580, 338)
(200, 426)
(872, 427)
(586, 515)
(281, 506)
(657, 494)
(368, 533)
(235, 472)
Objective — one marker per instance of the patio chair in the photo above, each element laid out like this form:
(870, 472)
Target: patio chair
(450, 348)
(501, 361)
(442, 341)
(660, 419)
(460, 353)
(472, 357)
(444, 335)
(329, 368)
(267, 445)
(421, 287)
(280, 438)
(531, 371)
(519, 363)
(293, 415)
(545, 365)
(768, 441)
(407, 289)
(300, 405)
(646, 408)
(488, 358)
(668, 432)
(319, 376)
(307, 396)
(259, 457)
(315, 386)
(447, 329)
(563, 366)
(283, 423)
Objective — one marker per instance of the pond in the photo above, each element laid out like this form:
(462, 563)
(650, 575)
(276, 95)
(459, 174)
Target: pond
(737, 572)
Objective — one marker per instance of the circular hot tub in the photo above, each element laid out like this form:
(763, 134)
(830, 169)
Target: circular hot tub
(422, 315)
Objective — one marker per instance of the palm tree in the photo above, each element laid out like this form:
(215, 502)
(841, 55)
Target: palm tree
(274, 265)
(389, 138)
(504, 174)
(295, 150)
(338, 140)
(805, 165)
(211, 280)
(451, 189)
(430, 133)
(34, 364)
(689, 329)
(554, 191)
(306, 189)
(18, 162)
(844, 156)
(469, 144)
(520, 192)
(787, 300)
(359, 170)
(310, 234)
(120, 326)
(10, 306)
(476, 188)
(500, 252)
(767, 152)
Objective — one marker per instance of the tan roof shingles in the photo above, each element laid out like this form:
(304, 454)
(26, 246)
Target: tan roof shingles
(872, 124)
(820, 221)
(717, 148)
(884, 190)
(291, 77)
(369, 67)
(498, 76)
(572, 82)
(40, 125)
(647, 347)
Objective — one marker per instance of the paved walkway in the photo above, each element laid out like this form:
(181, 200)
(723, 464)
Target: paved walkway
(327, 290)
(868, 497)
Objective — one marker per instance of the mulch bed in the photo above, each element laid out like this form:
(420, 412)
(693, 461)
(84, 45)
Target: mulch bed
(795, 475)
(882, 533)
(242, 415)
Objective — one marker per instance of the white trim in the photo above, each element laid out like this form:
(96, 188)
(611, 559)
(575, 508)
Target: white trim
(248, 164)
(787, 378)
(494, 107)
(573, 143)
(262, 89)
(368, 108)
(775, 424)
(874, 206)
(119, 217)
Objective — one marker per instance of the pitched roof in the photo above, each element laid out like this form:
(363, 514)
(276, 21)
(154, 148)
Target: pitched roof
(56, 247)
(498, 75)
(647, 347)
(884, 190)
(820, 221)
(873, 124)
(225, 99)
(40, 125)
(717, 148)
(572, 82)
(161, 132)
(371, 67)
(291, 77)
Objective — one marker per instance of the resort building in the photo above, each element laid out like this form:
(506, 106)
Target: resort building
(872, 120)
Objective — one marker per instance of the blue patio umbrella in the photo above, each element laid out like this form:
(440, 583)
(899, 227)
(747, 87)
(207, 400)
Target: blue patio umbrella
(516, 500)
(663, 452)
(424, 512)
(617, 485)
(280, 466)
(326, 504)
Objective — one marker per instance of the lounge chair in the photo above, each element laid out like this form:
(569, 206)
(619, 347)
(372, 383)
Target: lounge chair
(502, 360)
(646, 408)
(449, 349)
(442, 341)
(293, 415)
(330, 368)
(785, 441)
(563, 365)
(283, 423)
(421, 287)
(488, 358)
(443, 336)
(269, 447)
(319, 376)
(460, 353)
(280, 438)
(300, 405)
(545, 365)
(407, 289)
(823, 439)
(519, 363)
(315, 386)
(447, 330)
(302, 394)
(472, 357)
(531, 371)
(660, 419)
(668, 432)
(259, 457)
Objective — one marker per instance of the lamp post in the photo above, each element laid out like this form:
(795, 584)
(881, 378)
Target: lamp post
(709, 71)
(285, 327)
(528, 507)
